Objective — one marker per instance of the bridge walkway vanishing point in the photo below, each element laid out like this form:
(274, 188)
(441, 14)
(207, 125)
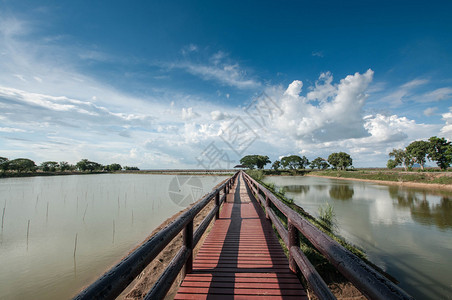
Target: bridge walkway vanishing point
(241, 258)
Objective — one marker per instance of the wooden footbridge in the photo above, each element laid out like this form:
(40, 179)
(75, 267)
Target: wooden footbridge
(242, 258)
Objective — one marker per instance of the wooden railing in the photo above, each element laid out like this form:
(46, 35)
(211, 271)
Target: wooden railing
(371, 283)
(113, 282)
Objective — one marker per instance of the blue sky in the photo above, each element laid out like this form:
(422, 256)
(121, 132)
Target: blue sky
(179, 84)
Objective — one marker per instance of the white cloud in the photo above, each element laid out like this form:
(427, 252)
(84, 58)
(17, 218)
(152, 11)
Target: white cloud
(446, 131)
(9, 129)
(294, 88)
(188, 114)
(217, 115)
(415, 83)
(438, 94)
(334, 119)
(430, 111)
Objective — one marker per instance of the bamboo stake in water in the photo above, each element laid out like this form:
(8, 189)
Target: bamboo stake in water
(75, 245)
(3, 216)
(113, 232)
(28, 232)
(84, 214)
(47, 213)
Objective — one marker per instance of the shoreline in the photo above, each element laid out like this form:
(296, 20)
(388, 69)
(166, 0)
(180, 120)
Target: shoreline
(410, 184)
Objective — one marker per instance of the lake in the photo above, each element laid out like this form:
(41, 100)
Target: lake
(407, 232)
(99, 217)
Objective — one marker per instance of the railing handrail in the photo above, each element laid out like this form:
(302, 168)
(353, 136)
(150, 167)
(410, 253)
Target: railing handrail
(371, 283)
(114, 281)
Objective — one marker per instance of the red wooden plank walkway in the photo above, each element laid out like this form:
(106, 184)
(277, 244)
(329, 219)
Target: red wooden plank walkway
(241, 258)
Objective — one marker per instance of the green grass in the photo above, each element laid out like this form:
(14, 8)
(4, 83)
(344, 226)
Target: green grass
(388, 175)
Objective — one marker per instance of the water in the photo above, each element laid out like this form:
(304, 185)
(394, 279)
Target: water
(407, 232)
(109, 214)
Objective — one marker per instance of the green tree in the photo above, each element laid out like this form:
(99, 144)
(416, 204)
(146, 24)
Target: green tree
(294, 162)
(319, 163)
(4, 162)
(440, 151)
(251, 161)
(276, 165)
(402, 157)
(86, 165)
(22, 165)
(65, 166)
(131, 168)
(113, 167)
(391, 164)
(340, 160)
(49, 166)
(418, 150)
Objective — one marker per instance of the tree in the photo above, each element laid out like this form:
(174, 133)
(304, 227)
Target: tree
(4, 162)
(391, 164)
(340, 160)
(418, 151)
(49, 166)
(22, 165)
(276, 165)
(65, 166)
(402, 157)
(250, 161)
(440, 151)
(294, 162)
(113, 167)
(86, 165)
(131, 168)
(319, 163)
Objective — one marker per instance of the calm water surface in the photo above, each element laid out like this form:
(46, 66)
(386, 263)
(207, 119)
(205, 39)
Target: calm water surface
(109, 214)
(406, 232)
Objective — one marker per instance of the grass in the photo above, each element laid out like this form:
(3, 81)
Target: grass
(390, 175)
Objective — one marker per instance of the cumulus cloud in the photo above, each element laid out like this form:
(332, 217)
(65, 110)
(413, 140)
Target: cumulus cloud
(188, 114)
(446, 131)
(219, 115)
(334, 114)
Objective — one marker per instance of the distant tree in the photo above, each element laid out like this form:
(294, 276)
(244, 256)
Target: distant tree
(251, 161)
(391, 164)
(131, 168)
(276, 165)
(340, 160)
(86, 165)
(113, 167)
(65, 166)
(49, 166)
(319, 163)
(418, 150)
(440, 151)
(22, 165)
(82, 165)
(402, 157)
(4, 164)
(294, 162)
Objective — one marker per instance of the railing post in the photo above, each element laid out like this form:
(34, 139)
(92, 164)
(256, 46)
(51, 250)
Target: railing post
(217, 204)
(188, 242)
(293, 241)
(267, 206)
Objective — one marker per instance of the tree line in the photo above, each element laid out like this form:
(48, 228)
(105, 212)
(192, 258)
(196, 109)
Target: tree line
(25, 165)
(337, 160)
(435, 149)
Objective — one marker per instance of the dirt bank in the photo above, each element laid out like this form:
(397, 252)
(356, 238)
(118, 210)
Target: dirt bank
(433, 186)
